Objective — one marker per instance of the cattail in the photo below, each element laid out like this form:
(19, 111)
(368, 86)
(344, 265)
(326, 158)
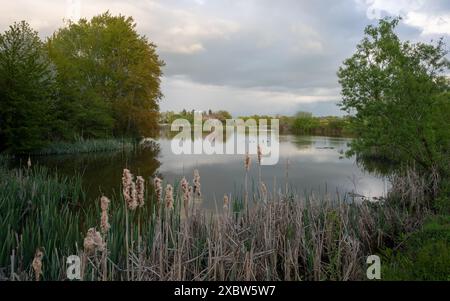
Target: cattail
(127, 183)
(93, 242)
(158, 189)
(197, 185)
(169, 196)
(225, 202)
(259, 154)
(140, 190)
(247, 162)
(186, 194)
(104, 204)
(98, 240)
(89, 243)
(37, 264)
(263, 190)
(132, 205)
(29, 162)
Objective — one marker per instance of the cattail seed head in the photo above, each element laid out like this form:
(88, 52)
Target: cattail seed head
(197, 185)
(105, 226)
(98, 240)
(186, 194)
(89, 243)
(93, 242)
(247, 162)
(104, 203)
(104, 222)
(127, 186)
(157, 182)
(140, 182)
(169, 196)
(225, 202)
(263, 190)
(37, 264)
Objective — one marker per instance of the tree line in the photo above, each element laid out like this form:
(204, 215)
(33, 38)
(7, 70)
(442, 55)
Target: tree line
(91, 79)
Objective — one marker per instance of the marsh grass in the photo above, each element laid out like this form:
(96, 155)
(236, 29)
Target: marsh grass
(287, 238)
(81, 145)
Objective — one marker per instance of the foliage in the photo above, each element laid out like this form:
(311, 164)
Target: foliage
(399, 99)
(27, 90)
(424, 256)
(108, 76)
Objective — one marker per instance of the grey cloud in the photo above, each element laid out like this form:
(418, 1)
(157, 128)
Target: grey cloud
(247, 56)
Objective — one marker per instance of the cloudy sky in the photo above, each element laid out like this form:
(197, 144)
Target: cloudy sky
(247, 56)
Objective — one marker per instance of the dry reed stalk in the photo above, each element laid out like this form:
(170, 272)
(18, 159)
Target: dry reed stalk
(104, 226)
(140, 192)
(37, 264)
(186, 195)
(287, 176)
(259, 153)
(247, 163)
(263, 189)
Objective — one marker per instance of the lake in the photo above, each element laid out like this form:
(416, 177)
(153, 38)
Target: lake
(316, 166)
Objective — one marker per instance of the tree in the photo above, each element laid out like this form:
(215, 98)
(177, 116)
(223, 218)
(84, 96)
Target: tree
(109, 77)
(398, 96)
(27, 89)
(304, 122)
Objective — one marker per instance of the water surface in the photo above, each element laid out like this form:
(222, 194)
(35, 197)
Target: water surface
(316, 165)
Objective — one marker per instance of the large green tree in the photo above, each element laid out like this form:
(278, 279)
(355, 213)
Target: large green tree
(398, 95)
(27, 89)
(108, 76)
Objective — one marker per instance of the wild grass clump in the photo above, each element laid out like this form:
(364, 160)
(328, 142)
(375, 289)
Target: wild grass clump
(81, 145)
(37, 210)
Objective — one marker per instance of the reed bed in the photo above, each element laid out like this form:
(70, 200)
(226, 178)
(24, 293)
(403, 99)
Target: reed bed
(81, 145)
(161, 233)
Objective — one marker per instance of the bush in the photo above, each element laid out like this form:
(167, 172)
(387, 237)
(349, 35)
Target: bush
(425, 255)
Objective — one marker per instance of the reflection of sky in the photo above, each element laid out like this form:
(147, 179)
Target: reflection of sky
(315, 165)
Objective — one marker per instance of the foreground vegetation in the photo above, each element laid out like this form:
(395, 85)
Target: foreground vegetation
(161, 233)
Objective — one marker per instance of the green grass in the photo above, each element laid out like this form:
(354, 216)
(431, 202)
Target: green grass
(85, 146)
(424, 255)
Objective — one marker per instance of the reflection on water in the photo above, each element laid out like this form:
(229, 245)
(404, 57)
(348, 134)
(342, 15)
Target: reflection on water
(316, 165)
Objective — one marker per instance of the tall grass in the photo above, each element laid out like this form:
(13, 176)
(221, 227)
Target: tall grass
(290, 238)
(85, 146)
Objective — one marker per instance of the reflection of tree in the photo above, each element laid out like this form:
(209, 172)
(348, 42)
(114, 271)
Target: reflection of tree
(102, 172)
(303, 142)
(377, 166)
(166, 133)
